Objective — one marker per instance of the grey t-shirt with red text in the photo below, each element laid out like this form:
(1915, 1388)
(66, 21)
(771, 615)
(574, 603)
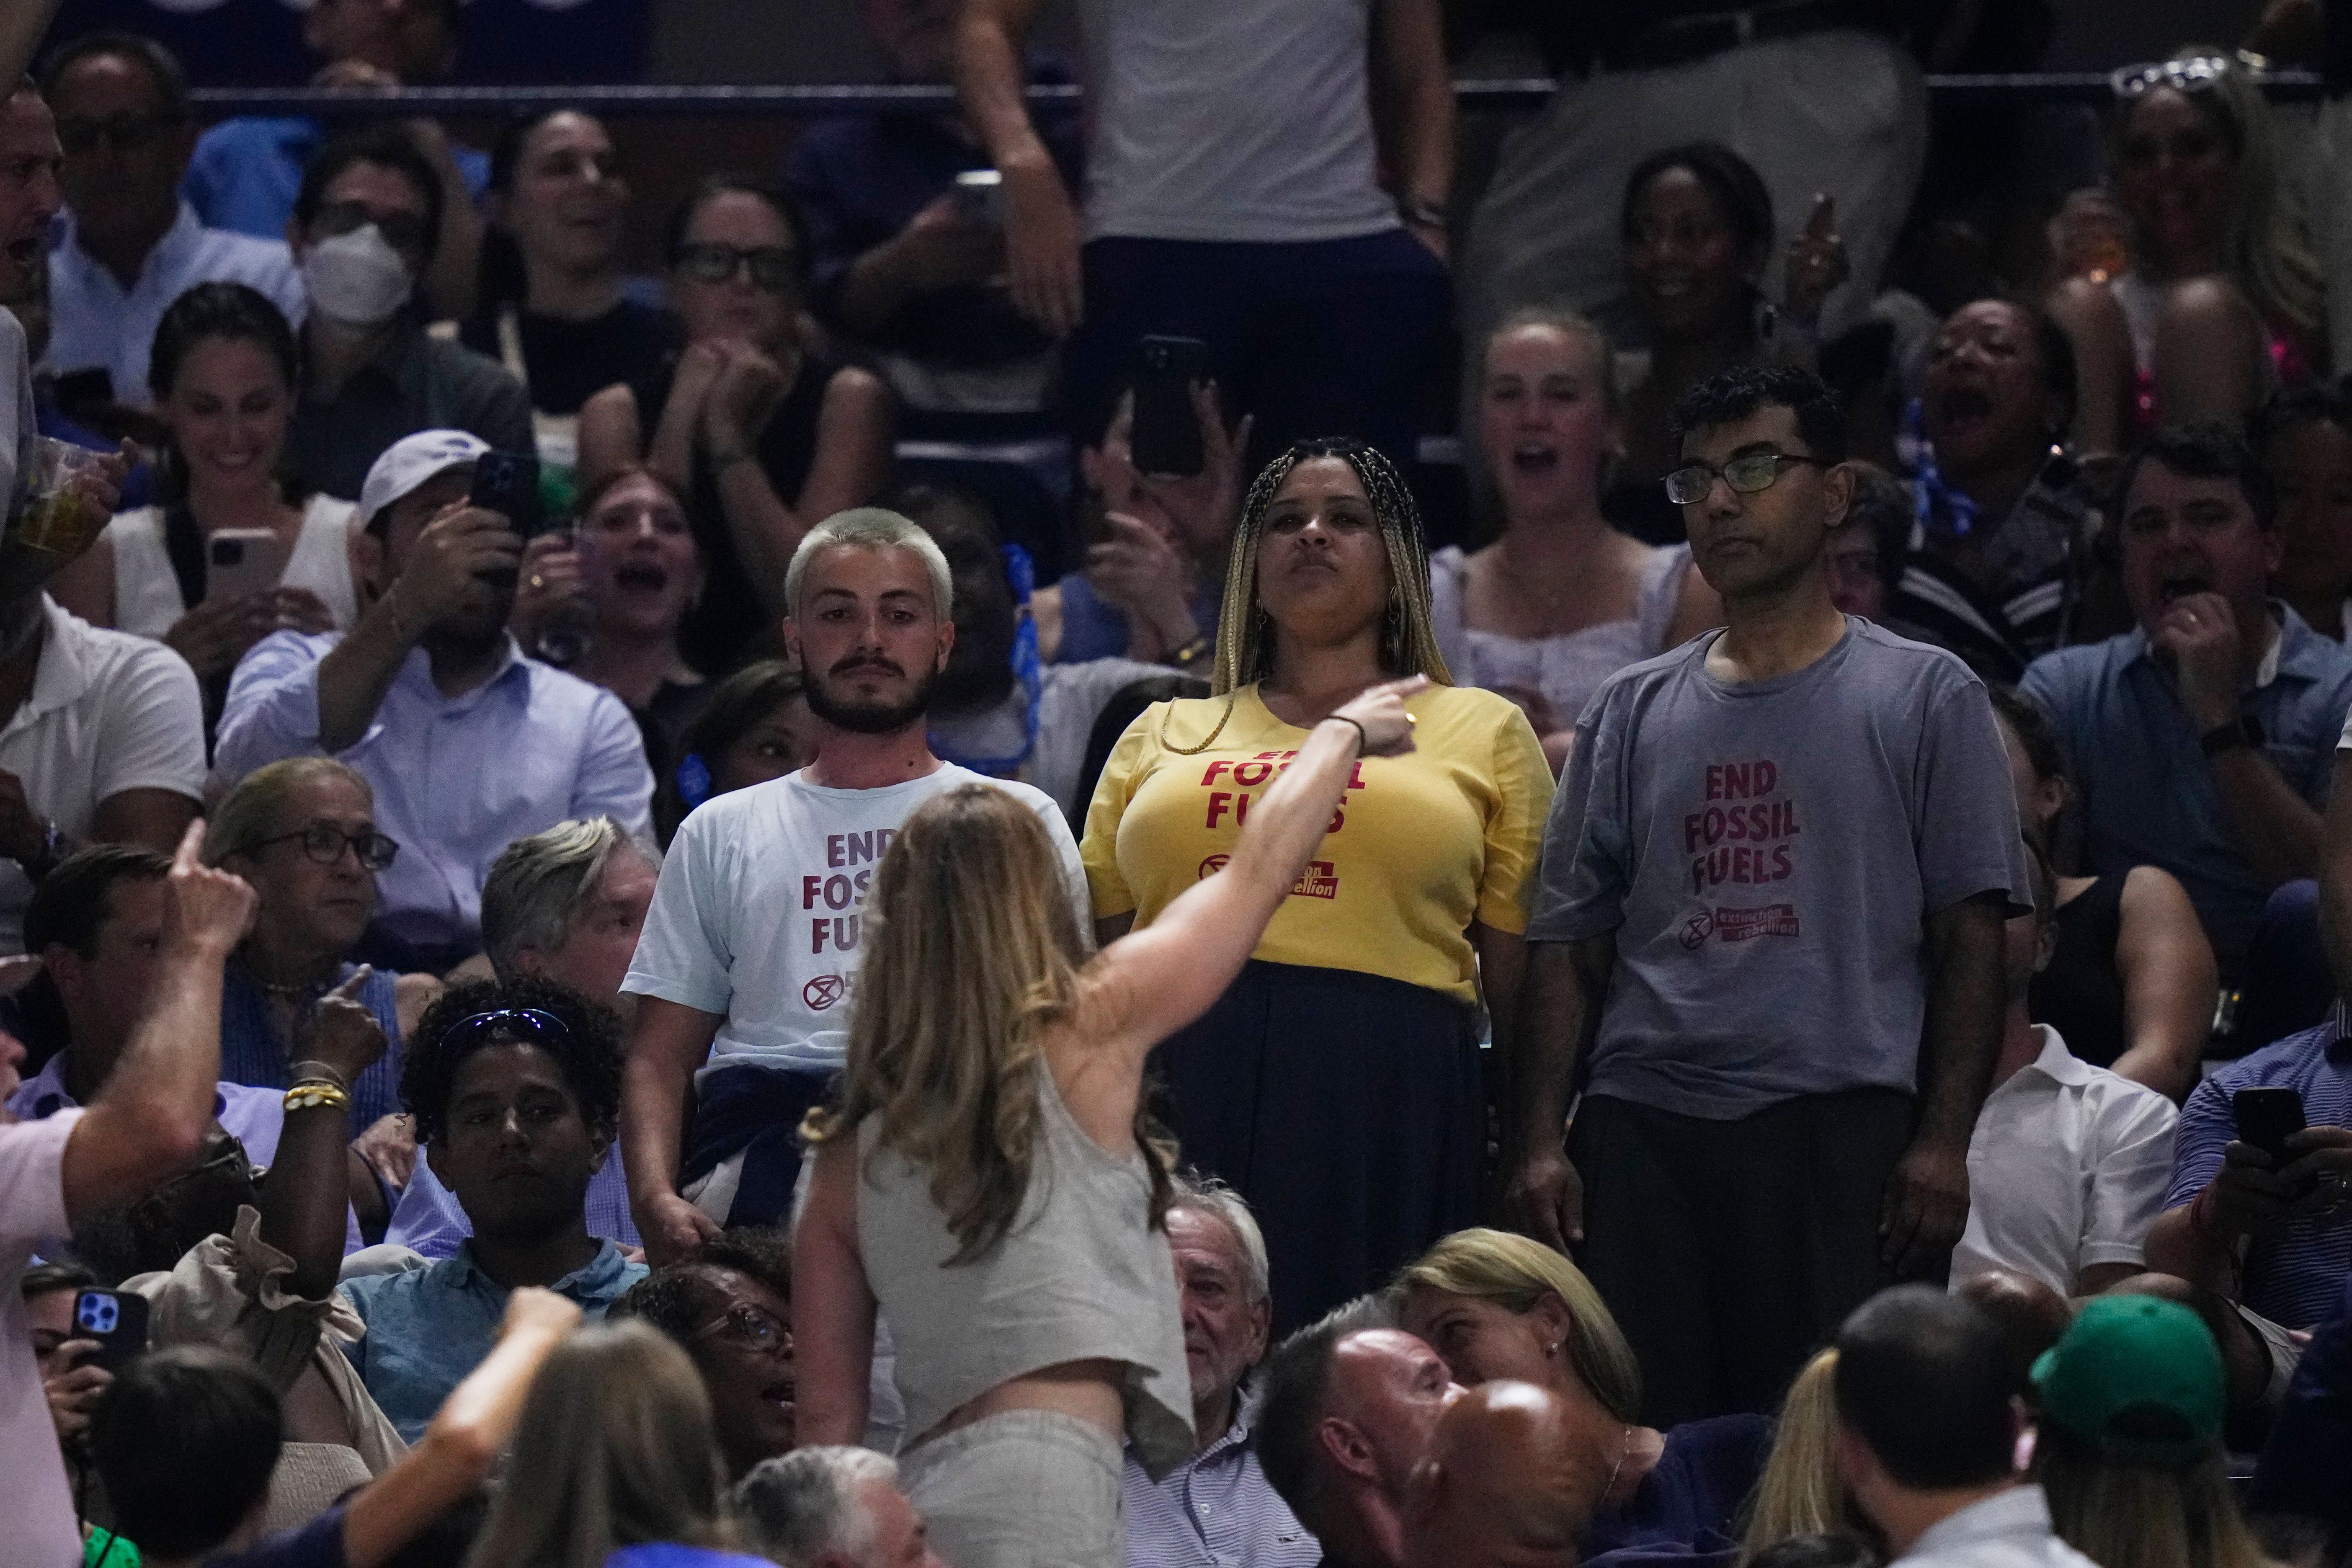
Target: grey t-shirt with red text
(1767, 855)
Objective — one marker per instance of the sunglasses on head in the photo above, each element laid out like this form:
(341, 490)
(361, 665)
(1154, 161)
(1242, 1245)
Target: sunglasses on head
(2198, 73)
(529, 1025)
(773, 267)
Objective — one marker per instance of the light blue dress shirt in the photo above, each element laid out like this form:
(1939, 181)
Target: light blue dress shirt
(429, 1220)
(457, 779)
(1216, 1509)
(427, 1328)
(96, 323)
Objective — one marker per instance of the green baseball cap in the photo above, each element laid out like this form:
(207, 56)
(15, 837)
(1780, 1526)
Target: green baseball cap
(2137, 1378)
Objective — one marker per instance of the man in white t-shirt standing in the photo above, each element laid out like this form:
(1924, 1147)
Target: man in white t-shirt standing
(744, 976)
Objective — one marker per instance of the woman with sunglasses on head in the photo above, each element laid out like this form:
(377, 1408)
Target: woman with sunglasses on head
(553, 310)
(766, 436)
(2219, 298)
(1337, 1084)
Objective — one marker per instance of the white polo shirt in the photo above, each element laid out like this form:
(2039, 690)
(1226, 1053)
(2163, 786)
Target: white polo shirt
(107, 712)
(2067, 1168)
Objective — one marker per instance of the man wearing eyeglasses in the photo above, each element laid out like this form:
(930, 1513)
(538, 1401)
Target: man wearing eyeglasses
(1768, 945)
(131, 245)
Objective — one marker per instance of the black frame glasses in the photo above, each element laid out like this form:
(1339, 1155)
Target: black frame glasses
(773, 267)
(529, 1025)
(1750, 473)
(324, 843)
(750, 1326)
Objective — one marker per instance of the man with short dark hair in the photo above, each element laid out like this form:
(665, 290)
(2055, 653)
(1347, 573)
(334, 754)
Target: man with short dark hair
(730, 1309)
(1769, 940)
(131, 244)
(2202, 738)
(1927, 1437)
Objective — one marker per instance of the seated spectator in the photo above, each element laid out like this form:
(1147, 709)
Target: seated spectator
(2130, 982)
(2301, 1475)
(1154, 572)
(753, 728)
(1992, 570)
(1562, 600)
(565, 906)
(2068, 1163)
(2219, 693)
(2129, 1450)
(1216, 1506)
(223, 366)
(1695, 228)
(515, 1086)
(468, 743)
(554, 312)
(2029, 1313)
(1349, 1410)
(1499, 1306)
(831, 1508)
(1801, 1494)
(187, 1438)
(997, 709)
(764, 436)
(730, 1309)
(2305, 437)
(2223, 299)
(608, 600)
(903, 261)
(132, 243)
(246, 174)
(302, 832)
(368, 219)
(148, 1124)
(1928, 1433)
(1865, 552)
(1503, 1485)
(613, 1463)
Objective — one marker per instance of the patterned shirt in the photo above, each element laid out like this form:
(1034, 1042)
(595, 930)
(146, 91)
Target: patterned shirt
(1216, 1509)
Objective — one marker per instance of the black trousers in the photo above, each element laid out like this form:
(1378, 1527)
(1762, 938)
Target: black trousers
(1347, 1109)
(1730, 1251)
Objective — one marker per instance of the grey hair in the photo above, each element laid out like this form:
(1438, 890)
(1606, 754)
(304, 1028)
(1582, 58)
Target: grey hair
(1212, 1198)
(540, 882)
(256, 807)
(871, 527)
(798, 1507)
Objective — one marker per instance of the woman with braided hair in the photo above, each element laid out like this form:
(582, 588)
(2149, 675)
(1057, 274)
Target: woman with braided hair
(1336, 1083)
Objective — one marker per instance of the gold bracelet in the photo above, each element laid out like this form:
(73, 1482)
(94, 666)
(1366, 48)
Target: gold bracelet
(308, 1096)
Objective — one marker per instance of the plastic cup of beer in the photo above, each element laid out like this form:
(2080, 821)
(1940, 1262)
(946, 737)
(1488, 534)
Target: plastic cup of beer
(58, 513)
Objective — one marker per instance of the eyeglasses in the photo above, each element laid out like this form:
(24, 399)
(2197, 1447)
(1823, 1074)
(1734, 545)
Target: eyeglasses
(404, 231)
(2198, 73)
(323, 842)
(772, 266)
(1747, 474)
(750, 1326)
(533, 1026)
(124, 132)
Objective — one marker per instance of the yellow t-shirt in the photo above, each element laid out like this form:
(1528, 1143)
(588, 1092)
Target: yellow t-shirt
(1422, 846)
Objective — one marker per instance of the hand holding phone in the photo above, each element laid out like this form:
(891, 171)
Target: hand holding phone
(117, 1321)
(1165, 437)
(2266, 1118)
(508, 483)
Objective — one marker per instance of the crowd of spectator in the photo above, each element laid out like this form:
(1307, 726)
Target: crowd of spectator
(608, 961)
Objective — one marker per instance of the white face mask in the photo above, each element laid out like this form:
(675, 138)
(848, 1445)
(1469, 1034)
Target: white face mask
(357, 278)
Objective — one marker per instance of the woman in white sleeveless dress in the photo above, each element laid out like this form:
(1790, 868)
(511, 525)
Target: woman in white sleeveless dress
(222, 376)
(1562, 601)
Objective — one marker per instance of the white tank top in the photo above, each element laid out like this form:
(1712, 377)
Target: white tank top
(147, 593)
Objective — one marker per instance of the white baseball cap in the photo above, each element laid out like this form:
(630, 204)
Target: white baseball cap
(410, 461)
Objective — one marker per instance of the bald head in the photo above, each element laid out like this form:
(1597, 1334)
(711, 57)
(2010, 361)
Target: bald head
(1506, 1483)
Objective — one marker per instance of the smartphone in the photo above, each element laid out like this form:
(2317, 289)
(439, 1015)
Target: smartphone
(508, 483)
(1166, 438)
(240, 561)
(2267, 1118)
(980, 199)
(116, 1319)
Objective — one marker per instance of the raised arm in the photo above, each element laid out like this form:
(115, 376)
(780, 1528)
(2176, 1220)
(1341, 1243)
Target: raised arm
(667, 1042)
(833, 1305)
(1041, 224)
(303, 1198)
(150, 1119)
(1163, 977)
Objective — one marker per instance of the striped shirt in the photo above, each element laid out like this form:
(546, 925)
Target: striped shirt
(2297, 1278)
(1216, 1509)
(2030, 608)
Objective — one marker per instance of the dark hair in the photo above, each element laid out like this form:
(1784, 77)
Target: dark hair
(185, 1440)
(2320, 403)
(162, 66)
(590, 499)
(500, 269)
(725, 182)
(679, 1299)
(1731, 179)
(1924, 1379)
(588, 1050)
(1884, 505)
(1730, 395)
(2036, 733)
(48, 1279)
(925, 502)
(2061, 376)
(381, 142)
(2207, 449)
(1297, 1377)
(227, 310)
(506, 153)
(1830, 1549)
(75, 900)
(1124, 706)
(735, 705)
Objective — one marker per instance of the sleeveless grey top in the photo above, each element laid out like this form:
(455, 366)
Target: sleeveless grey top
(1081, 1275)
(1567, 670)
